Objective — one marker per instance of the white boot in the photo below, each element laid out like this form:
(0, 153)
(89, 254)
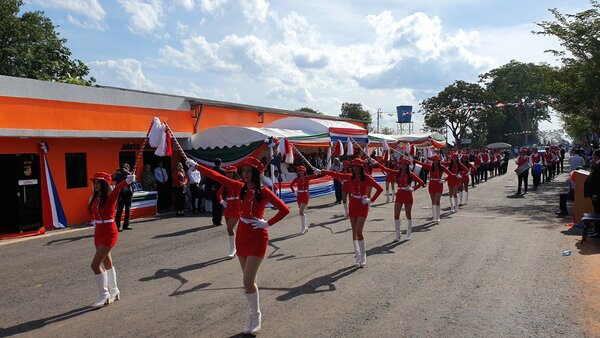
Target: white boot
(255, 317)
(438, 213)
(363, 253)
(356, 252)
(113, 290)
(345, 209)
(466, 197)
(232, 249)
(451, 204)
(304, 228)
(455, 204)
(397, 223)
(409, 230)
(461, 197)
(103, 295)
(433, 213)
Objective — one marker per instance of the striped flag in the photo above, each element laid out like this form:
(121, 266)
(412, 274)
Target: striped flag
(350, 150)
(52, 200)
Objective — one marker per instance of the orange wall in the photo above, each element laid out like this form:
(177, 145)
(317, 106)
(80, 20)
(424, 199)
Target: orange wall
(215, 116)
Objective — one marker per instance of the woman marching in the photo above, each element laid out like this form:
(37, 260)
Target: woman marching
(102, 208)
(404, 177)
(471, 169)
(390, 180)
(229, 197)
(303, 183)
(252, 234)
(360, 186)
(346, 186)
(436, 184)
(457, 170)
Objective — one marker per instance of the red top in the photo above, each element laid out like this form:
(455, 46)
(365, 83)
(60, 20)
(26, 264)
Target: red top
(107, 211)
(434, 173)
(477, 160)
(179, 179)
(454, 171)
(302, 183)
(358, 187)
(402, 177)
(485, 158)
(522, 160)
(536, 158)
(250, 207)
(232, 192)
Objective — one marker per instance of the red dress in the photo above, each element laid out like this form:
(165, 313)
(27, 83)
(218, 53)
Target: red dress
(232, 197)
(453, 180)
(105, 230)
(346, 183)
(358, 190)
(471, 170)
(303, 185)
(403, 196)
(250, 241)
(435, 182)
(389, 177)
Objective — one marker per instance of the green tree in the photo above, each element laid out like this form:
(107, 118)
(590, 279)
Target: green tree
(309, 110)
(577, 81)
(522, 91)
(355, 111)
(458, 107)
(387, 131)
(30, 47)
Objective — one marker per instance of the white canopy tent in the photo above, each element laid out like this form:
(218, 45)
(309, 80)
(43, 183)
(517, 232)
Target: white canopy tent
(233, 136)
(337, 130)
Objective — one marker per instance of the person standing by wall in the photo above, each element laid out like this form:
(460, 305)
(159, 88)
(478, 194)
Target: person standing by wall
(195, 178)
(125, 196)
(210, 188)
(162, 189)
(179, 184)
(148, 180)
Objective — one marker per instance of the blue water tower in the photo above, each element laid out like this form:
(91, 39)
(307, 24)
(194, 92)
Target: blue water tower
(404, 114)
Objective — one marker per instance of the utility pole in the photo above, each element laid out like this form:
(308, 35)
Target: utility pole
(378, 116)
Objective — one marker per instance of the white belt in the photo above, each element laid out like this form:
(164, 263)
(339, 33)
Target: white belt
(358, 196)
(246, 220)
(436, 179)
(302, 190)
(232, 198)
(102, 221)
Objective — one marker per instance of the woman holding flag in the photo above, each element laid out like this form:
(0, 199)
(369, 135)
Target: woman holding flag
(229, 197)
(302, 195)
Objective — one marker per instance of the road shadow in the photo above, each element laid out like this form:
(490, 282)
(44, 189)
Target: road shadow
(39, 323)
(385, 248)
(316, 285)
(321, 206)
(424, 227)
(183, 232)
(334, 220)
(591, 246)
(280, 239)
(68, 240)
(294, 257)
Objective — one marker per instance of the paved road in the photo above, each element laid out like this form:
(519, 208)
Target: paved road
(494, 269)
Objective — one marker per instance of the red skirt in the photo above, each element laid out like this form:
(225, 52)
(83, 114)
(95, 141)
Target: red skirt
(303, 198)
(390, 178)
(404, 197)
(347, 186)
(106, 234)
(251, 242)
(357, 209)
(453, 181)
(435, 187)
(233, 209)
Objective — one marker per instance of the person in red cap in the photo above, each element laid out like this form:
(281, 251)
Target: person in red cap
(404, 177)
(361, 185)
(252, 235)
(476, 178)
(457, 171)
(471, 170)
(537, 162)
(485, 161)
(102, 207)
(303, 183)
(436, 183)
(229, 197)
(390, 180)
(346, 186)
(524, 176)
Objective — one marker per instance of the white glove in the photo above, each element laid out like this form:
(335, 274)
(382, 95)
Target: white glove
(191, 163)
(442, 181)
(458, 176)
(295, 193)
(224, 203)
(468, 174)
(130, 179)
(408, 188)
(318, 171)
(366, 200)
(259, 223)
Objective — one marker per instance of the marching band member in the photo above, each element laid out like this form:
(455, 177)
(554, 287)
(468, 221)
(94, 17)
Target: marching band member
(485, 161)
(548, 160)
(361, 185)
(229, 197)
(346, 186)
(471, 170)
(436, 184)
(302, 196)
(390, 180)
(524, 176)
(102, 207)
(536, 159)
(457, 170)
(252, 234)
(475, 179)
(404, 177)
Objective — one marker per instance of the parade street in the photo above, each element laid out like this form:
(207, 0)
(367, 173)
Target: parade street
(494, 269)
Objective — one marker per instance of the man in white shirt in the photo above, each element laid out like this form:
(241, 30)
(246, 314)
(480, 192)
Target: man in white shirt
(162, 187)
(576, 160)
(194, 179)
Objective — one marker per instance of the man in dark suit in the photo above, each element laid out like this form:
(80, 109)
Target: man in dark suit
(592, 187)
(125, 197)
(211, 187)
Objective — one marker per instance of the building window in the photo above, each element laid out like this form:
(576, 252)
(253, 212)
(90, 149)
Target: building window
(76, 169)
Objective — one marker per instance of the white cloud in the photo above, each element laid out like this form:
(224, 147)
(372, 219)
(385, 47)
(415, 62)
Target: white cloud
(255, 10)
(212, 6)
(146, 15)
(125, 73)
(88, 8)
(187, 4)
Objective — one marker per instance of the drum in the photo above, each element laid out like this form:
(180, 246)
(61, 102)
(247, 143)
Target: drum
(523, 168)
(417, 169)
(537, 169)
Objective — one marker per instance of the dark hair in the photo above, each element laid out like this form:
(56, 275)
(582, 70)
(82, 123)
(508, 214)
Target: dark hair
(596, 153)
(362, 173)
(235, 177)
(102, 194)
(257, 184)
(437, 166)
(407, 172)
(218, 161)
(451, 165)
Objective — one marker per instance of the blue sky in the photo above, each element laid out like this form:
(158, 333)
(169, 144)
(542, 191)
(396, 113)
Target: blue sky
(292, 54)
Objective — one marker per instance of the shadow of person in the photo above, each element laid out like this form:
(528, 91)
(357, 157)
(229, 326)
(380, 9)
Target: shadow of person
(324, 225)
(280, 239)
(39, 323)
(316, 285)
(68, 240)
(384, 248)
(183, 232)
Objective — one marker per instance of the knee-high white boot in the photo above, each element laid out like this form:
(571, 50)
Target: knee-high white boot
(409, 230)
(103, 295)
(113, 290)
(397, 223)
(451, 204)
(461, 197)
(466, 197)
(232, 249)
(455, 204)
(433, 212)
(254, 314)
(363, 253)
(345, 209)
(438, 213)
(304, 228)
(356, 252)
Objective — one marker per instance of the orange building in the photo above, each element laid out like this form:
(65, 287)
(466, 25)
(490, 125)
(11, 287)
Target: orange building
(89, 129)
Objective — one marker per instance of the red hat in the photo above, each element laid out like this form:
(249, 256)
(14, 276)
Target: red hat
(524, 150)
(404, 160)
(435, 158)
(346, 162)
(358, 161)
(301, 168)
(465, 156)
(102, 176)
(535, 149)
(231, 168)
(454, 154)
(253, 162)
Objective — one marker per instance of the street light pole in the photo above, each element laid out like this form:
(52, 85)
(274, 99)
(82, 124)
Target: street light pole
(378, 116)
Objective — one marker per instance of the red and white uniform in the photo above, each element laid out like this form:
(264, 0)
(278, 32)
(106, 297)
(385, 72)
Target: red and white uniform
(471, 169)
(358, 190)
(454, 171)
(436, 185)
(346, 182)
(105, 230)
(232, 197)
(250, 241)
(303, 186)
(402, 179)
(522, 159)
(390, 177)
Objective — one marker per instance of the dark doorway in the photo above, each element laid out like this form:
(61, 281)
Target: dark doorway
(20, 196)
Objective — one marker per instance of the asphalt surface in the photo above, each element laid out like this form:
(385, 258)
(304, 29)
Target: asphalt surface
(494, 269)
